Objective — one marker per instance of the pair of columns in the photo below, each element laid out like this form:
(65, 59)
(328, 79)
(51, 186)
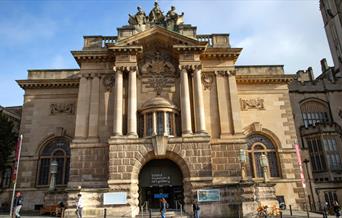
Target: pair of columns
(132, 101)
(198, 101)
(87, 118)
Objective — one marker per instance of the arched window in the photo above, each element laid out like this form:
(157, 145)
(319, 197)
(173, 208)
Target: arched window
(314, 112)
(58, 149)
(157, 117)
(258, 145)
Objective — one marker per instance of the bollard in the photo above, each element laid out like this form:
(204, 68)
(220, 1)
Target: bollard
(105, 213)
(290, 210)
(281, 214)
(150, 213)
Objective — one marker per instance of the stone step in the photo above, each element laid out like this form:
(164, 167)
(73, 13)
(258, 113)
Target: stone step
(169, 214)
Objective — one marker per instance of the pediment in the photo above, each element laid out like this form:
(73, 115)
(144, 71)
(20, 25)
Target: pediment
(159, 34)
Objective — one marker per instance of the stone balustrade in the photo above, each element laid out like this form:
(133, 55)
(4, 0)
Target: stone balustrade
(98, 41)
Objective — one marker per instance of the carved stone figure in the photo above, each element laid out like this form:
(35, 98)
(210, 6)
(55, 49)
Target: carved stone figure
(156, 15)
(138, 19)
(173, 19)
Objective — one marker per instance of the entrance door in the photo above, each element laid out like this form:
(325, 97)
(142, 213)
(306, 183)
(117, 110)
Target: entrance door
(161, 179)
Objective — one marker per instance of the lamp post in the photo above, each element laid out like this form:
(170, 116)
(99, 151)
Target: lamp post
(53, 171)
(243, 161)
(306, 161)
(264, 165)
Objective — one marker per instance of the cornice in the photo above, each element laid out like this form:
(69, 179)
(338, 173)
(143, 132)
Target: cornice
(222, 53)
(193, 48)
(263, 79)
(126, 49)
(48, 83)
(102, 55)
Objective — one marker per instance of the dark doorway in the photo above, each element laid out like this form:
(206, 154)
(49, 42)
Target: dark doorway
(161, 179)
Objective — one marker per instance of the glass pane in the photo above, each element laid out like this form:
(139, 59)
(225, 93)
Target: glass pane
(141, 126)
(43, 178)
(273, 164)
(160, 123)
(6, 180)
(149, 124)
(259, 171)
(60, 171)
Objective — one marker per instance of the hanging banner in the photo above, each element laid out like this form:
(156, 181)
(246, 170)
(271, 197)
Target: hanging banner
(299, 159)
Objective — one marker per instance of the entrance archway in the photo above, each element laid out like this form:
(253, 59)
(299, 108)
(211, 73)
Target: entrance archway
(158, 179)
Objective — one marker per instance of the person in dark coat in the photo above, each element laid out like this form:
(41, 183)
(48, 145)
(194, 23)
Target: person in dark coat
(325, 210)
(337, 209)
(18, 203)
(196, 209)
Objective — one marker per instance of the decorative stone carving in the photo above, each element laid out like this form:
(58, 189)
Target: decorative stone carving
(247, 104)
(156, 17)
(108, 82)
(207, 80)
(158, 73)
(58, 108)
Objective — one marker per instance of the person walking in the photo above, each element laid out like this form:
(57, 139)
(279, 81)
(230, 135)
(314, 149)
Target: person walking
(79, 206)
(337, 209)
(196, 209)
(325, 210)
(18, 203)
(163, 206)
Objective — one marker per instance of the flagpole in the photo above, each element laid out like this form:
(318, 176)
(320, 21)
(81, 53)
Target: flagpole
(17, 170)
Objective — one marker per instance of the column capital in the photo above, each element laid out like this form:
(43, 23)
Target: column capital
(224, 73)
(126, 68)
(193, 66)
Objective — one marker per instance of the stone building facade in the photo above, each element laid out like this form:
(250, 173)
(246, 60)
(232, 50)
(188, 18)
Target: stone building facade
(159, 110)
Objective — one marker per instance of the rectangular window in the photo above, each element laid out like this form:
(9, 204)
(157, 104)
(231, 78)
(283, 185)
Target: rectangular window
(169, 126)
(318, 162)
(160, 123)
(6, 178)
(44, 172)
(333, 157)
(330, 197)
(141, 126)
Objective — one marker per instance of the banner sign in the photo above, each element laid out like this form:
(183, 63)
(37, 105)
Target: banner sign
(206, 195)
(299, 159)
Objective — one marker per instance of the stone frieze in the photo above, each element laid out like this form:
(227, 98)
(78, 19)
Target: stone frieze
(60, 108)
(247, 104)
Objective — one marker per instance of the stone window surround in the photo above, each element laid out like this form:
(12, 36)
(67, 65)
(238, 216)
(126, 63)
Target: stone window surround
(252, 162)
(314, 111)
(66, 162)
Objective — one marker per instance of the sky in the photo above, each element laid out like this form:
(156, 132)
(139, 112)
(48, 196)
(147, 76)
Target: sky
(39, 34)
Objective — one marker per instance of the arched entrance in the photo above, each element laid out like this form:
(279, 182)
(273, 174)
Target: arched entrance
(158, 179)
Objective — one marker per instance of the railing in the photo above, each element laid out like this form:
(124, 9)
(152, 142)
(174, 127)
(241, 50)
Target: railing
(180, 207)
(98, 41)
(145, 204)
(108, 39)
(205, 38)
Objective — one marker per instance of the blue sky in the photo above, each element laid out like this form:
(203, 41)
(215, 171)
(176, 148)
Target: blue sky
(36, 34)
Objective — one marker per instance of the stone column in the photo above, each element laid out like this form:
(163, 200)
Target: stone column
(94, 107)
(132, 104)
(154, 123)
(235, 105)
(117, 118)
(199, 105)
(185, 103)
(81, 130)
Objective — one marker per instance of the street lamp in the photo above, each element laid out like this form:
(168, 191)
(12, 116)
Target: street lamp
(264, 165)
(243, 161)
(306, 161)
(53, 171)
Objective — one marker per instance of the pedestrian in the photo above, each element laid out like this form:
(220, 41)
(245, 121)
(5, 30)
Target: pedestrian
(196, 209)
(337, 209)
(325, 210)
(79, 206)
(163, 206)
(18, 203)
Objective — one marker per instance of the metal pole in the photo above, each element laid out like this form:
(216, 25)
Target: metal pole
(290, 210)
(16, 176)
(306, 161)
(105, 213)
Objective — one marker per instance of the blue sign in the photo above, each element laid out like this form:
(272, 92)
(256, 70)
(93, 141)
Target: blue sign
(159, 196)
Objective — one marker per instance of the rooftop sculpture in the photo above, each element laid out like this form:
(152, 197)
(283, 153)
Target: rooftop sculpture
(156, 17)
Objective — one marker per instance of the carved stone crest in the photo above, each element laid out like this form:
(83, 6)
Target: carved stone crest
(207, 80)
(59, 108)
(247, 104)
(158, 73)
